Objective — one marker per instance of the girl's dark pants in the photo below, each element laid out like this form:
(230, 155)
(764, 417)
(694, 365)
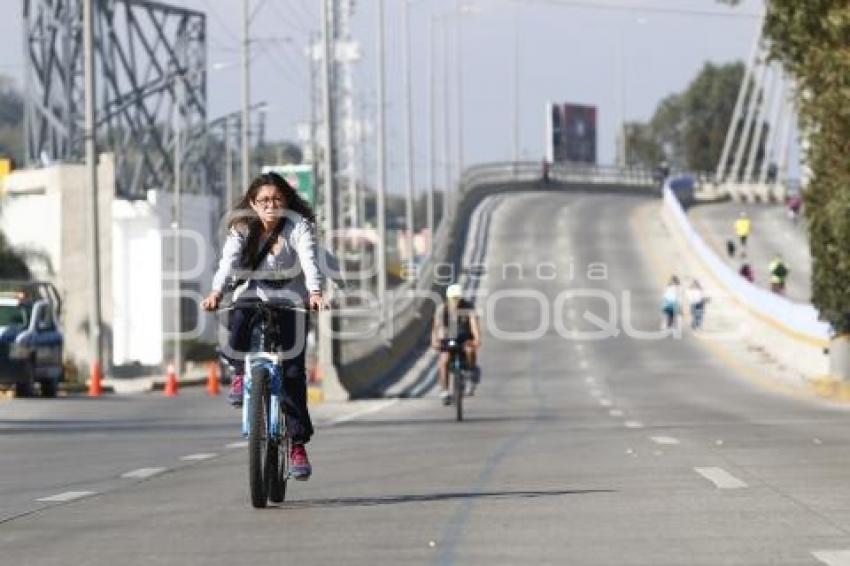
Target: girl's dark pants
(293, 335)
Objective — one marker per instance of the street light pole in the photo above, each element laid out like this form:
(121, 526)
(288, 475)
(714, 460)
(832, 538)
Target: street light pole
(91, 169)
(459, 28)
(408, 132)
(516, 84)
(381, 161)
(246, 94)
(447, 132)
(432, 150)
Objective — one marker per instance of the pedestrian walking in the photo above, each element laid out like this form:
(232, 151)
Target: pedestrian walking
(746, 272)
(671, 304)
(696, 300)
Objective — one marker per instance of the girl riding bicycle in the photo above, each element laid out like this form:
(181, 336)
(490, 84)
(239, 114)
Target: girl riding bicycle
(270, 238)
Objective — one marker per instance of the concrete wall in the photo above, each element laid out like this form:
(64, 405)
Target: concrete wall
(45, 214)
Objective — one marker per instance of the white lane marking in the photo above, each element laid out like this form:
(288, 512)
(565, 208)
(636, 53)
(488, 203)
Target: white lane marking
(66, 496)
(579, 347)
(615, 413)
(721, 478)
(143, 473)
(199, 456)
(633, 424)
(589, 380)
(664, 440)
(833, 557)
(240, 444)
(596, 393)
(583, 364)
(605, 402)
(363, 412)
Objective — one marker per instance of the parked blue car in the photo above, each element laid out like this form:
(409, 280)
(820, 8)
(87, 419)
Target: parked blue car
(30, 338)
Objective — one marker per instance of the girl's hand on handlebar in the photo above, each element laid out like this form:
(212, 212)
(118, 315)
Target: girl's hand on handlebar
(210, 303)
(317, 302)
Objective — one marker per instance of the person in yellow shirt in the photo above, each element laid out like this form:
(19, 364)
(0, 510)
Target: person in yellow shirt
(743, 228)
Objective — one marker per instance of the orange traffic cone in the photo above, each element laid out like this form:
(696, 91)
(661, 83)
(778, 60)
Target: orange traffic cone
(95, 385)
(212, 379)
(170, 382)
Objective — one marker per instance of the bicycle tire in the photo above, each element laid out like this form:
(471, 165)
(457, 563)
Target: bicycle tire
(278, 470)
(278, 493)
(258, 441)
(457, 379)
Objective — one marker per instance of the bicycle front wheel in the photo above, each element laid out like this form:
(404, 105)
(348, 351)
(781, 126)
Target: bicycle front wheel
(457, 381)
(258, 439)
(278, 470)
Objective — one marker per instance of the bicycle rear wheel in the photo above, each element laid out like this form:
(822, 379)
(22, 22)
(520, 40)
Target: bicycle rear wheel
(258, 439)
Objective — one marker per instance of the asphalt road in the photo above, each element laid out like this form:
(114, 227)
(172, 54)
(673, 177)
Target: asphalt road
(772, 233)
(619, 451)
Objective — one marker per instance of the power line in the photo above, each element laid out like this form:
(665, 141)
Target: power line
(640, 8)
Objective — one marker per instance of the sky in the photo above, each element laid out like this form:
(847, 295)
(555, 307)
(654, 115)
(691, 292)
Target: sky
(622, 56)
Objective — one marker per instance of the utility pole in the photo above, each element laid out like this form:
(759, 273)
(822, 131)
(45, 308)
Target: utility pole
(408, 132)
(329, 324)
(228, 164)
(91, 169)
(246, 94)
(432, 143)
(381, 189)
(175, 224)
(516, 84)
(459, 16)
(447, 131)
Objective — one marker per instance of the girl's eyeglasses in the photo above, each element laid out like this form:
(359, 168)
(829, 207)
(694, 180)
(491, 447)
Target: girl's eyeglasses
(270, 200)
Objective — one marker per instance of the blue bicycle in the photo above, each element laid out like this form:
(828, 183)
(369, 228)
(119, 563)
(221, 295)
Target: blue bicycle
(263, 422)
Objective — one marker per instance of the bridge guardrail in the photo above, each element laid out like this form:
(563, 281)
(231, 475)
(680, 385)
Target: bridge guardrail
(366, 361)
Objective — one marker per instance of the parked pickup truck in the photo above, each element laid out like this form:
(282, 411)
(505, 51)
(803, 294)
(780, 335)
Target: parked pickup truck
(30, 337)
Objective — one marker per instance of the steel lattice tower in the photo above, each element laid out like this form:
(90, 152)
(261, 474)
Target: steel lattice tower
(142, 50)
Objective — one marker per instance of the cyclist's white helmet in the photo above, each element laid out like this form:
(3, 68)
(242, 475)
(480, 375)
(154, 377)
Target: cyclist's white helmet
(454, 291)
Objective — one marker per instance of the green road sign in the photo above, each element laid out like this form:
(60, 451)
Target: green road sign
(300, 177)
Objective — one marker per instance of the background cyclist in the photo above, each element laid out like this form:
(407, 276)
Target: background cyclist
(456, 318)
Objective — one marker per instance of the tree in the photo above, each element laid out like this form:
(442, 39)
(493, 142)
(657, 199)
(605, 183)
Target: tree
(811, 39)
(12, 266)
(688, 129)
(11, 121)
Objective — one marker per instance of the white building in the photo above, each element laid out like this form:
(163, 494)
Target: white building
(43, 214)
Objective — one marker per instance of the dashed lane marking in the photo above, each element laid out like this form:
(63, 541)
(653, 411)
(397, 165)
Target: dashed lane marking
(66, 496)
(605, 402)
(143, 473)
(240, 444)
(721, 478)
(833, 557)
(199, 456)
(633, 424)
(366, 411)
(615, 413)
(664, 440)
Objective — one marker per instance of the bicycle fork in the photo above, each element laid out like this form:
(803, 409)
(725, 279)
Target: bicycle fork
(275, 382)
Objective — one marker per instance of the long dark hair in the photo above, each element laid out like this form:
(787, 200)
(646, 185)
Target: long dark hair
(245, 219)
